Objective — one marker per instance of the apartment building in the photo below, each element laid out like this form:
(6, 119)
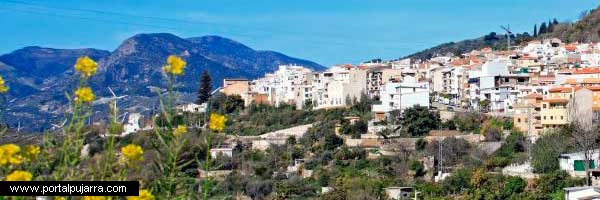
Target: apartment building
(338, 87)
(554, 107)
(448, 83)
(289, 84)
(402, 95)
(495, 86)
(527, 117)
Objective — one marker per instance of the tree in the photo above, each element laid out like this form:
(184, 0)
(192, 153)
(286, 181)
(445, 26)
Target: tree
(204, 89)
(546, 150)
(418, 120)
(550, 26)
(490, 37)
(553, 182)
(457, 182)
(543, 28)
(469, 121)
(484, 105)
(453, 150)
(514, 185)
(420, 144)
(535, 30)
(227, 103)
(583, 131)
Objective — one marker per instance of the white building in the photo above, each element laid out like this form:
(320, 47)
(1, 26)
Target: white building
(132, 125)
(338, 85)
(289, 84)
(446, 82)
(495, 85)
(399, 96)
(574, 164)
(579, 193)
(222, 150)
(193, 108)
(398, 193)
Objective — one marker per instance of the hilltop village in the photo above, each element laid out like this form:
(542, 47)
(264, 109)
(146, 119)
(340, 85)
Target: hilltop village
(443, 116)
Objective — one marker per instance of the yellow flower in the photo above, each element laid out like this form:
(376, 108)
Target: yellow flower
(84, 94)
(31, 151)
(86, 66)
(3, 87)
(9, 154)
(217, 122)
(180, 130)
(133, 153)
(19, 175)
(93, 198)
(59, 198)
(143, 195)
(175, 65)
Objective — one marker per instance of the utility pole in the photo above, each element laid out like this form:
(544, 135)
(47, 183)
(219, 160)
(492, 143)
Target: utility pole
(441, 159)
(528, 136)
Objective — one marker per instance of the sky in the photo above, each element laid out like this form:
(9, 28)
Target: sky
(325, 31)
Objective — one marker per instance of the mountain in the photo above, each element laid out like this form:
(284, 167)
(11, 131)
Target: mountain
(38, 77)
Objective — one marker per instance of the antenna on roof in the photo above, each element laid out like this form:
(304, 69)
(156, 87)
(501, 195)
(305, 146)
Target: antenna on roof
(508, 33)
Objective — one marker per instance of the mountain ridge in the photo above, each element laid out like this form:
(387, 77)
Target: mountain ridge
(39, 76)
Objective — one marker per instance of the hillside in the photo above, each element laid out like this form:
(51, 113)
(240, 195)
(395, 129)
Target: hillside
(587, 29)
(39, 76)
(492, 40)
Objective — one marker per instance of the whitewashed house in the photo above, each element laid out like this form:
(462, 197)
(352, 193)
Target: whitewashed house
(133, 124)
(574, 164)
(582, 193)
(402, 95)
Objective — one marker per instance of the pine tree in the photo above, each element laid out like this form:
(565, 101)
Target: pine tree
(543, 28)
(204, 89)
(535, 31)
(555, 22)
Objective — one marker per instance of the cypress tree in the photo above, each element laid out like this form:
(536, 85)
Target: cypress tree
(535, 31)
(204, 89)
(543, 28)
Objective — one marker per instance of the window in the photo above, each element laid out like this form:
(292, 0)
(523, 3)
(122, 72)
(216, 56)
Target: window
(562, 117)
(519, 120)
(544, 117)
(544, 106)
(551, 117)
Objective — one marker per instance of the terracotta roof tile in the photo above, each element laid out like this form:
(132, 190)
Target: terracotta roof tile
(590, 70)
(561, 89)
(556, 100)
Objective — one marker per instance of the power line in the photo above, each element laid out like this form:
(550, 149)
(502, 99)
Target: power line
(84, 18)
(319, 40)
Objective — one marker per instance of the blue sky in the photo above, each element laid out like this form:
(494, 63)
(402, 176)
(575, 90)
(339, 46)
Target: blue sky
(325, 31)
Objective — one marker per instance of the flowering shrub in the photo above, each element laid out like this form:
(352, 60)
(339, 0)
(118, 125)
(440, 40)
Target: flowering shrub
(63, 156)
(3, 87)
(19, 175)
